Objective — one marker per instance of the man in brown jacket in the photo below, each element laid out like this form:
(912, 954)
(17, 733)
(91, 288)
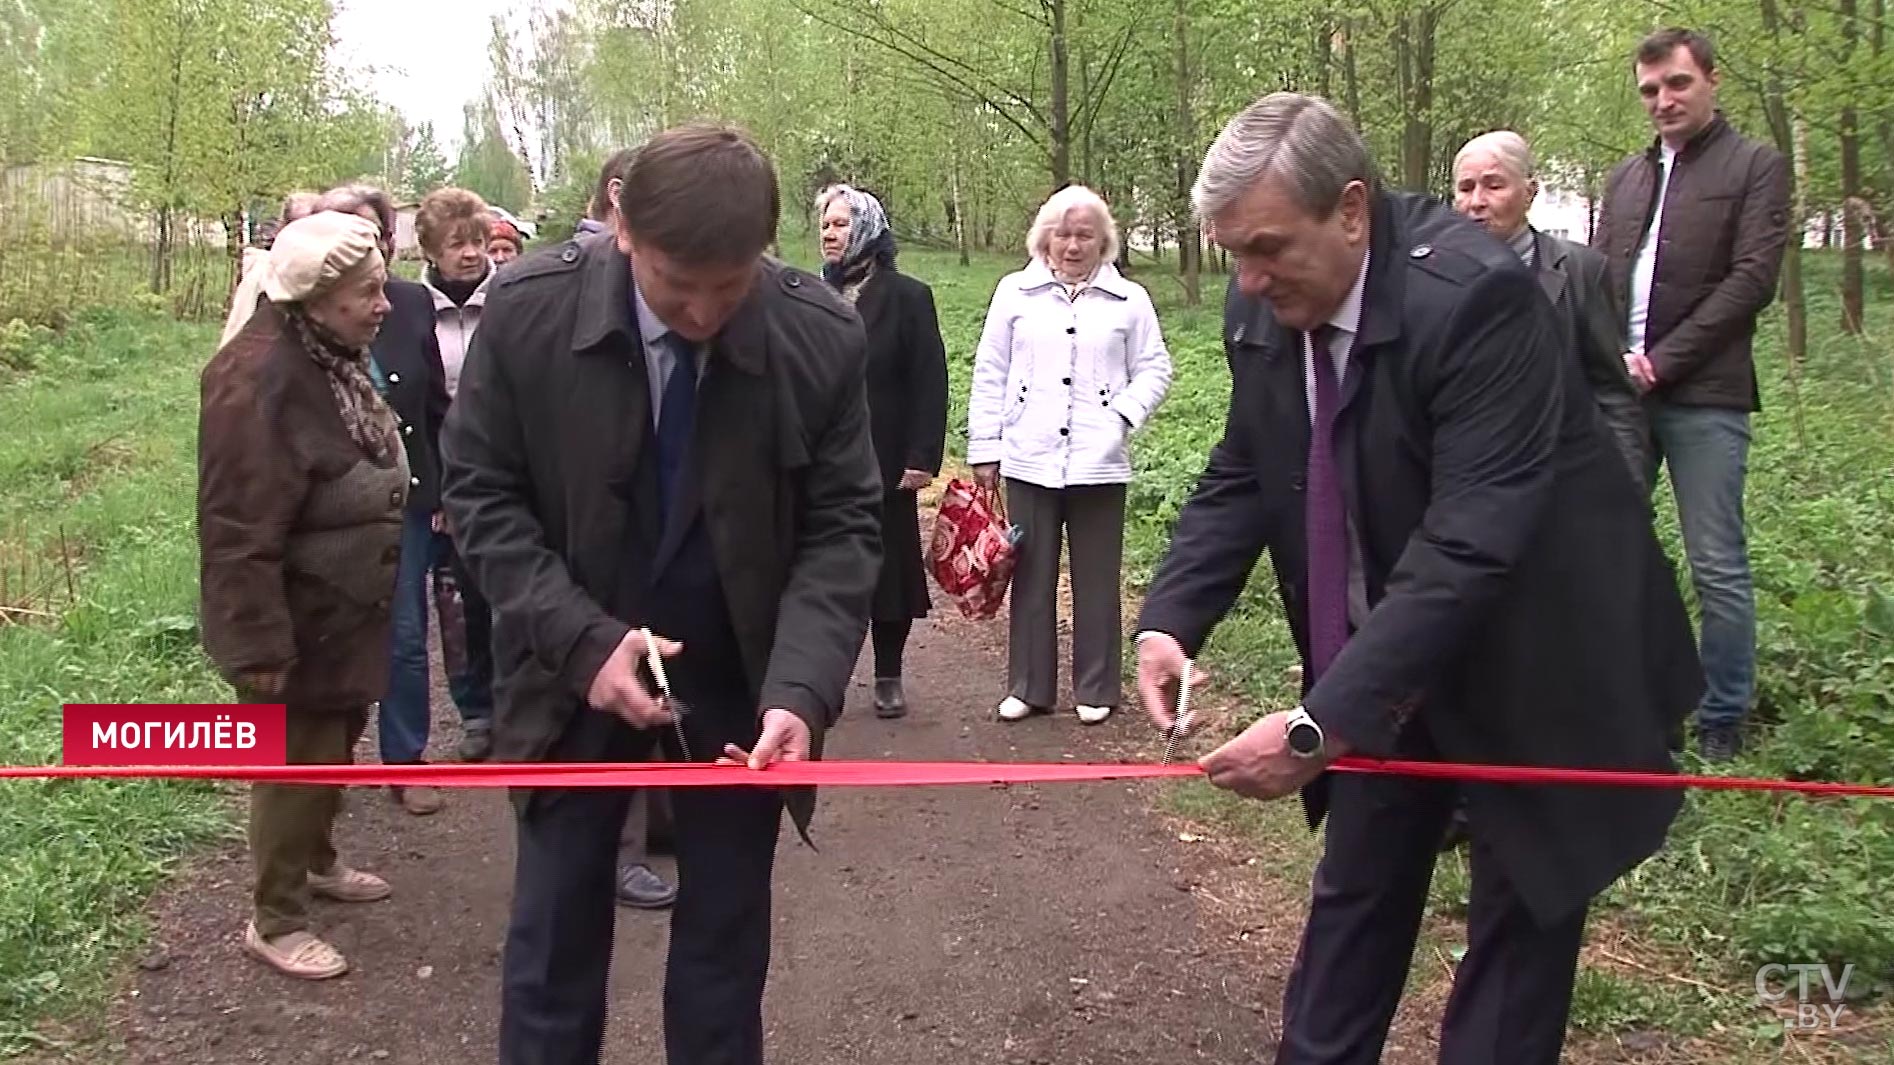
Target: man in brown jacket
(1693, 229)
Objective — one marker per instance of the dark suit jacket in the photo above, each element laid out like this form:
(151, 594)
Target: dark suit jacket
(1522, 610)
(416, 386)
(542, 448)
(907, 374)
(1575, 278)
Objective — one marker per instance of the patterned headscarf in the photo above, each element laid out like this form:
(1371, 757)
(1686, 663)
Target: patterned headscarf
(870, 242)
(308, 257)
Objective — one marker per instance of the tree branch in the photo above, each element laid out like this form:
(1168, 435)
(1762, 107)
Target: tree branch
(950, 69)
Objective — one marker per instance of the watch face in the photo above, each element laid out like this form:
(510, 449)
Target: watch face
(1304, 739)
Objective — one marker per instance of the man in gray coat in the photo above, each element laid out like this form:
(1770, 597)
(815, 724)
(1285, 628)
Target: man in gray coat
(662, 436)
(1494, 184)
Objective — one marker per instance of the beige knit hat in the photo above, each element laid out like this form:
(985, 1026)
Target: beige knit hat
(313, 252)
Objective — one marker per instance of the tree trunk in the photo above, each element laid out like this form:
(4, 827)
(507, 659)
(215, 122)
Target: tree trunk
(1414, 58)
(1060, 119)
(957, 216)
(1188, 242)
(1322, 51)
(1783, 128)
(1351, 83)
(1851, 281)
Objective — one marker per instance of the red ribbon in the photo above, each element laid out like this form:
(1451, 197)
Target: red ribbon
(879, 774)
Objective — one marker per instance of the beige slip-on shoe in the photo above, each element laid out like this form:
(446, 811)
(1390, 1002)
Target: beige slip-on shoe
(297, 954)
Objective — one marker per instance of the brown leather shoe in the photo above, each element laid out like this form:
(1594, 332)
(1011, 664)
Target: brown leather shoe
(419, 799)
(296, 954)
(343, 884)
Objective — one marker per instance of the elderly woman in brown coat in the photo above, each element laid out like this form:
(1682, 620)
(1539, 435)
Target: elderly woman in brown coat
(302, 480)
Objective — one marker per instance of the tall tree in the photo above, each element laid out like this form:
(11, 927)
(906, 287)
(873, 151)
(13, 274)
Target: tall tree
(425, 167)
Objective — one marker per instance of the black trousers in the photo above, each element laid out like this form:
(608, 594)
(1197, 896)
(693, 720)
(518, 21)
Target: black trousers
(559, 942)
(1512, 992)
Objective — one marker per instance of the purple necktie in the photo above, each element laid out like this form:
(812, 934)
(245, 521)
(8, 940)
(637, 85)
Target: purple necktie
(1326, 518)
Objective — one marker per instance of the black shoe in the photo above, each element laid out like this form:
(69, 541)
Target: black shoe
(890, 701)
(1456, 834)
(476, 741)
(643, 889)
(1719, 743)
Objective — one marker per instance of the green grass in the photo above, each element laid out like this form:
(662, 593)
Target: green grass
(99, 444)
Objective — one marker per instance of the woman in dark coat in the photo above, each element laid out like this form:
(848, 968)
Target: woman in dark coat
(301, 486)
(907, 401)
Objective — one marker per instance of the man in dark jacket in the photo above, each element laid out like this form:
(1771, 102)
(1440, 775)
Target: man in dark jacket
(1467, 570)
(661, 435)
(1694, 229)
(1494, 184)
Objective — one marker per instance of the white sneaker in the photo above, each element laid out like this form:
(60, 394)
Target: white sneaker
(1013, 708)
(1092, 715)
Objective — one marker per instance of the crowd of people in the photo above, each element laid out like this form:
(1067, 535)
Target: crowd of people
(656, 439)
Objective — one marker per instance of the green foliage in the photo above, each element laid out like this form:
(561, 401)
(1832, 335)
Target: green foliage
(425, 167)
(101, 451)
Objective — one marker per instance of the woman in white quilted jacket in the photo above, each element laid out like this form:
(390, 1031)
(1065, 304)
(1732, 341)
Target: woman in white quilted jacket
(1070, 364)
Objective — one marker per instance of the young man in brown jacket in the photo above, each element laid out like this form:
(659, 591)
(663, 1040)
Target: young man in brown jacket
(1693, 229)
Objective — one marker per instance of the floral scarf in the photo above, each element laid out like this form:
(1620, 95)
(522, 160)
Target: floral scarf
(369, 420)
(870, 245)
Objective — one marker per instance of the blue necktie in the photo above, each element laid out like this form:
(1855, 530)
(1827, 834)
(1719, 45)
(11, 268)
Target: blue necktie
(677, 411)
(1326, 519)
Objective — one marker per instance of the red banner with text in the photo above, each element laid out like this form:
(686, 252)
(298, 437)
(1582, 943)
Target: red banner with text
(179, 734)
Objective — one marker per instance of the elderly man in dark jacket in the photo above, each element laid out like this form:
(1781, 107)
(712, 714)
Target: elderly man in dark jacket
(1468, 572)
(663, 436)
(1694, 228)
(1494, 184)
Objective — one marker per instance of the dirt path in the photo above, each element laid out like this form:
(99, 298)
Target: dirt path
(1061, 924)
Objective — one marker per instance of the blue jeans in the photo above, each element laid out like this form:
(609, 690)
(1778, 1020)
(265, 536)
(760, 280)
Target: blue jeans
(1707, 451)
(405, 707)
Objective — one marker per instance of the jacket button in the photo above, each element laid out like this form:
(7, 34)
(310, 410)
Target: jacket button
(1065, 380)
(407, 430)
(1104, 402)
(396, 497)
(1064, 431)
(394, 378)
(571, 254)
(414, 482)
(1297, 482)
(793, 281)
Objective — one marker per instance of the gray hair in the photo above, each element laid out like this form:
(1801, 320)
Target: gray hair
(350, 199)
(1301, 139)
(1508, 148)
(1063, 202)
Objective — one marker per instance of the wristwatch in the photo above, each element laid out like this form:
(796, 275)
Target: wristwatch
(1303, 735)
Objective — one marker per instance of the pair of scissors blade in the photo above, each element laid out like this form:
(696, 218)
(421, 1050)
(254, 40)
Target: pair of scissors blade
(1181, 722)
(655, 661)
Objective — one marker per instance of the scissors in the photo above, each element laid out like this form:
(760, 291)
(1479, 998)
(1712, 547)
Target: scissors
(1181, 722)
(655, 662)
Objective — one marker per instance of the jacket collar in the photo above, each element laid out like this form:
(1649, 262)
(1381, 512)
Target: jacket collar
(1695, 146)
(1107, 279)
(477, 300)
(604, 309)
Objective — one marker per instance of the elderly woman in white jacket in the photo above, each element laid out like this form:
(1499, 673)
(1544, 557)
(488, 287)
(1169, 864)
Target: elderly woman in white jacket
(1071, 362)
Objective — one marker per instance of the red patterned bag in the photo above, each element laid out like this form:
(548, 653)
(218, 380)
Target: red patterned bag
(972, 550)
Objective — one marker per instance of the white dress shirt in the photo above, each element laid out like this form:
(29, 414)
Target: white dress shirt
(1645, 269)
